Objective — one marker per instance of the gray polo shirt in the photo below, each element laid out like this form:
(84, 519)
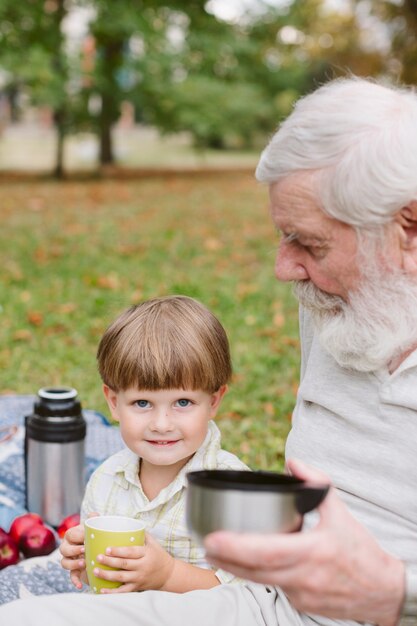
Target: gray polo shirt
(361, 429)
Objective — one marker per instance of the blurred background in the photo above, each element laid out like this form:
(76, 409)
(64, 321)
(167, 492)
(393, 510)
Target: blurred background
(90, 83)
(129, 132)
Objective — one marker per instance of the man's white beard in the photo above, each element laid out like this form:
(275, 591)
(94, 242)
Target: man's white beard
(378, 323)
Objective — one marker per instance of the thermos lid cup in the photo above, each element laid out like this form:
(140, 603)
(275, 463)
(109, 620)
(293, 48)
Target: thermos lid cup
(244, 501)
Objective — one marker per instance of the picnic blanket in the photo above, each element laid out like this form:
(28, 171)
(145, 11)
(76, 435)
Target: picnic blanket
(39, 575)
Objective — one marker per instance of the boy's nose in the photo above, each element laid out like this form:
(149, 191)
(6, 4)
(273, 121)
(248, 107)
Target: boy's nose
(162, 421)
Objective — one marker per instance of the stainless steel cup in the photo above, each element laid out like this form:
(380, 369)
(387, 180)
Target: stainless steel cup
(244, 501)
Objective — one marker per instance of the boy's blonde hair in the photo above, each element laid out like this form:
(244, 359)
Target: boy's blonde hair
(173, 342)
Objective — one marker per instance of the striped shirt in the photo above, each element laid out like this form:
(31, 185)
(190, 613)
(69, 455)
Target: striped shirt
(115, 489)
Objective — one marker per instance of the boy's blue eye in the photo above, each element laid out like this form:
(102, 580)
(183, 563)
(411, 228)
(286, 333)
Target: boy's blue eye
(142, 404)
(183, 402)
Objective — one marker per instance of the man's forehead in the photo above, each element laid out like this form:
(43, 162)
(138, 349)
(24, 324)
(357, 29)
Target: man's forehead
(295, 211)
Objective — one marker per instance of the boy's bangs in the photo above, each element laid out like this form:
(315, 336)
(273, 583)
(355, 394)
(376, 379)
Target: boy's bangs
(167, 369)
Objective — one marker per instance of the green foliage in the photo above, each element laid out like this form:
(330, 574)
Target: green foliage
(31, 42)
(227, 83)
(83, 251)
(218, 113)
(399, 20)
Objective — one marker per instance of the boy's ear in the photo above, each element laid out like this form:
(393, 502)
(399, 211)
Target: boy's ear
(216, 398)
(406, 219)
(111, 397)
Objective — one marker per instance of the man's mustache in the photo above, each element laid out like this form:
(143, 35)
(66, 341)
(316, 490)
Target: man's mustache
(316, 299)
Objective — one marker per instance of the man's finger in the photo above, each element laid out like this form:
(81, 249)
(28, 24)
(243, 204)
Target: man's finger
(257, 551)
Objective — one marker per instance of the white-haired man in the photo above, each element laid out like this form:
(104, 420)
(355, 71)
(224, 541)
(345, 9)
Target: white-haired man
(342, 171)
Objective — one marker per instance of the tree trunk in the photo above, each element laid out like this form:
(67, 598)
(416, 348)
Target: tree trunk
(106, 144)
(60, 113)
(59, 117)
(112, 55)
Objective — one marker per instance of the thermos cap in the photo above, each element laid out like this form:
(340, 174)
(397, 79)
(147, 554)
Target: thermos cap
(62, 393)
(57, 416)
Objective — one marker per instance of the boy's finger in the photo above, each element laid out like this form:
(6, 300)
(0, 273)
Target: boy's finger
(127, 552)
(73, 564)
(75, 579)
(74, 535)
(71, 550)
(117, 562)
(127, 588)
(120, 576)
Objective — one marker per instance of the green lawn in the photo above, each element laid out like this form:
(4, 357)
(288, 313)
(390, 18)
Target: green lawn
(75, 254)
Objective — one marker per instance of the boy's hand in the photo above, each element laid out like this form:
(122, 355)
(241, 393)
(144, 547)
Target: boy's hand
(72, 550)
(140, 567)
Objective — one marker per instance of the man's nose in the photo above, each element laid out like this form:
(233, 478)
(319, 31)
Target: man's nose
(289, 263)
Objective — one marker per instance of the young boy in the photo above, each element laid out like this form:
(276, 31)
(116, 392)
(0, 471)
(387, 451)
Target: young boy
(165, 365)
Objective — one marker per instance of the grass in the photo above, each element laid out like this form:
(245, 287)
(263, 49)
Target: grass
(74, 254)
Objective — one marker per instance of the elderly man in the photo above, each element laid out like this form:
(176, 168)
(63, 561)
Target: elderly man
(342, 171)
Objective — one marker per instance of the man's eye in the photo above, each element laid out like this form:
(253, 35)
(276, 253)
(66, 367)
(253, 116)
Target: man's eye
(143, 404)
(183, 402)
(317, 251)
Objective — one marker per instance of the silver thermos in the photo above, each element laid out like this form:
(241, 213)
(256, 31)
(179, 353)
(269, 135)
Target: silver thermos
(54, 455)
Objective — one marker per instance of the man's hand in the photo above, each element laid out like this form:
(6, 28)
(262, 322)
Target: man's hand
(140, 567)
(337, 569)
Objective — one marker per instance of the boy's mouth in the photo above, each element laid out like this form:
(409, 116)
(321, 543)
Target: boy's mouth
(162, 442)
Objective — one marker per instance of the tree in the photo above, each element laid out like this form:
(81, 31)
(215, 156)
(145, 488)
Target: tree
(398, 20)
(185, 69)
(33, 53)
(238, 80)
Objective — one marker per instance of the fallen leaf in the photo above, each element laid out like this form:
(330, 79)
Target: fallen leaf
(14, 270)
(246, 289)
(213, 244)
(22, 335)
(269, 409)
(35, 318)
(279, 320)
(56, 329)
(25, 296)
(291, 341)
(41, 255)
(67, 307)
(36, 204)
(111, 281)
(137, 296)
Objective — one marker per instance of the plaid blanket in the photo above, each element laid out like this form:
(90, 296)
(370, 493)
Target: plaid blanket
(39, 575)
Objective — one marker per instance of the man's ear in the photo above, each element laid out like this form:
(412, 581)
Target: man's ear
(111, 397)
(406, 219)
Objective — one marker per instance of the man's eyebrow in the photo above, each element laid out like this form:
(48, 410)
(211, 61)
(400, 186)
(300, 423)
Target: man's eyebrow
(289, 237)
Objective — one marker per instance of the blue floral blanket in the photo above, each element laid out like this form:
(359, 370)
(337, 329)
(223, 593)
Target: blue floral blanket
(39, 575)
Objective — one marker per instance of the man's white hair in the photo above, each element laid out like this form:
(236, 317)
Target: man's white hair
(360, 139)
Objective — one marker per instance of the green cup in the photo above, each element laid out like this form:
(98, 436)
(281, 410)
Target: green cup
(109, 531)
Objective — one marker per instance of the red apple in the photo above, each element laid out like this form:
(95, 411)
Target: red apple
(68, 522)
(9, 552)
(22, 523)
(37, 540)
